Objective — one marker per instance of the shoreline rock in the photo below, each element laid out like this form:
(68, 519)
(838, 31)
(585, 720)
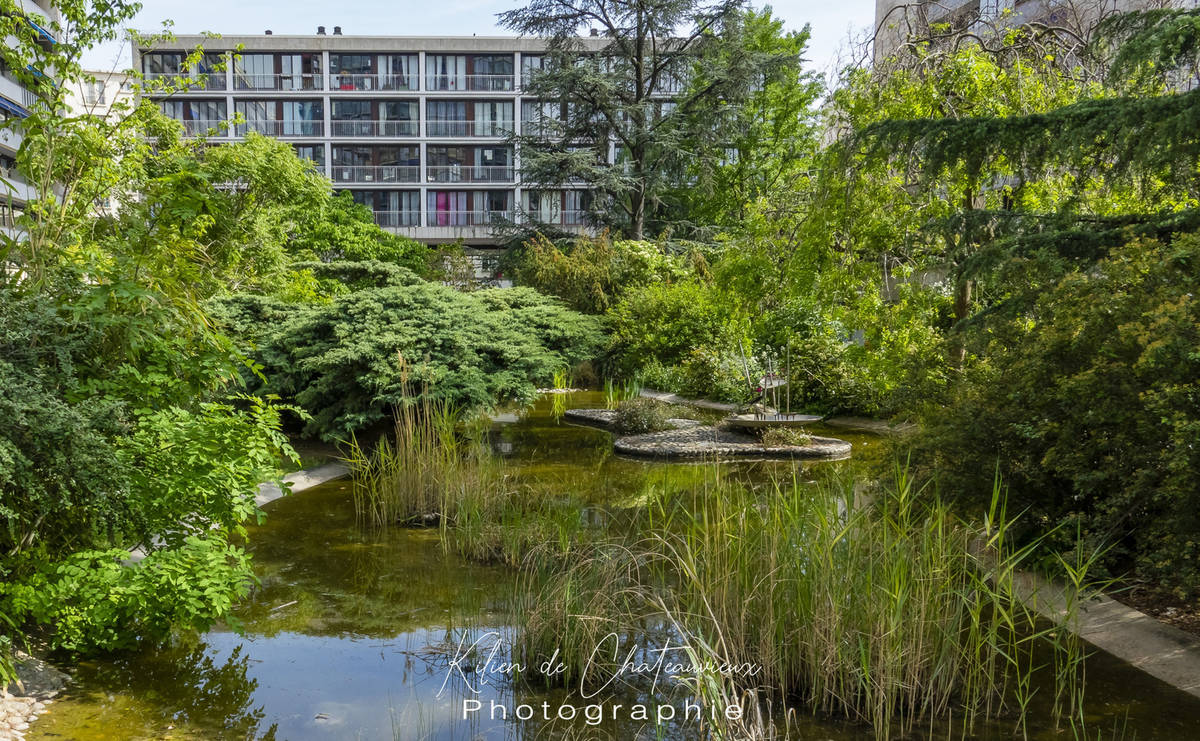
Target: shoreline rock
(23, 701)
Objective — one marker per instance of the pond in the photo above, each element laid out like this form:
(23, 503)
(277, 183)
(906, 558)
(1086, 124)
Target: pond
(351, 634)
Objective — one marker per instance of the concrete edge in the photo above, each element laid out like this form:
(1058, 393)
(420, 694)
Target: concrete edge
(1162, 651)
(300, 480)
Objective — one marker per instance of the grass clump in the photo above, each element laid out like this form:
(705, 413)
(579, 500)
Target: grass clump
(638, 416)
(438, 469)
(782, 437)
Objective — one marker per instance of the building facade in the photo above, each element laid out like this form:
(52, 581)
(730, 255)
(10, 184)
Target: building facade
(415, 128)
(15, 101)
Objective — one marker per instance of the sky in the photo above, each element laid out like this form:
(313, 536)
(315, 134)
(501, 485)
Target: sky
(832, 21)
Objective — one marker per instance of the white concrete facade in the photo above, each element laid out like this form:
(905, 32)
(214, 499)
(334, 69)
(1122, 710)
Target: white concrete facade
(15, 100)
(416, 127)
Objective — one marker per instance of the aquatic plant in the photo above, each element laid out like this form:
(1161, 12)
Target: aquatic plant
(882, 608)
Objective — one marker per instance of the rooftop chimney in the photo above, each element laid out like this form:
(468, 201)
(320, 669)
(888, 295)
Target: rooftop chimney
(267, 32)
(320, 30)
(594, 32)
(337, 30)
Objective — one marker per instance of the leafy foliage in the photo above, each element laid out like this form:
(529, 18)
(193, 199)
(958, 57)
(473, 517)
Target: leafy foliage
(613, 91)
(351, 361)
(1091, 410)
(592, 273)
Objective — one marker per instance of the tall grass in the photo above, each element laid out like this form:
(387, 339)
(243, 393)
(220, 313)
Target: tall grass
(405, 478)
(883, 609)
(438, 469)
(615, 393)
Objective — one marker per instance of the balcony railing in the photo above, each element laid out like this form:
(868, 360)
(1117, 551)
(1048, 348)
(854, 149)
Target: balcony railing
(375, 128)
(283, 128)
(469, 82)
(398, 218)
(376, 173)
(466, 218)
(299, 81)
(469, 174)
(205, 127)
(373, 82)
(562, 218)
(187, 81)
(469, 128)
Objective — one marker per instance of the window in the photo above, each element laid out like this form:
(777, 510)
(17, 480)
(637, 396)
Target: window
(539, 118)
(281, 118)
(446, 72)
(159, 64)
(199, 117)
(313, 152)
(254, 72)
(493, 118)
(397, 71)
(392, 208)
(490, 72)
(369, 118)
(303, 118)
(446, 118)
(531, 65)
(365, 164)
(300, 72)
(448, 208)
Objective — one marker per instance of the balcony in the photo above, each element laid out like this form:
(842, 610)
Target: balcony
(469, 174)
(13, 186)
(559, 218)
(304, 81)
(467, 218)
(185, 81)
(283, 128)
(398, 218)
(495, 129)
(376, 173)
(202, 127)
(11, 137)
(360, 128)
(373, 82)
(473, 83)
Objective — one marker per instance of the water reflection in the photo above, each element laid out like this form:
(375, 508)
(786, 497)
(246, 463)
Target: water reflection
(351, 633)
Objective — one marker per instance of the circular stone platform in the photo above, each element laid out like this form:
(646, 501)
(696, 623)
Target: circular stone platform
(713, 442)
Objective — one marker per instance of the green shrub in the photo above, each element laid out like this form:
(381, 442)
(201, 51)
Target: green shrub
(1092, 411)
(641, 415)
(346, 361)
(592, 273)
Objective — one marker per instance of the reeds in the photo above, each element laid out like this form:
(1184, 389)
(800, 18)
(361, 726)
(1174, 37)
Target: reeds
(437, 469)
(884, 609)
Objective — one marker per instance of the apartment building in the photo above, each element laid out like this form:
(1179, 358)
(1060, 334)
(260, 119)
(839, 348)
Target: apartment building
(416, 128)
(896, 19)
(15, 101)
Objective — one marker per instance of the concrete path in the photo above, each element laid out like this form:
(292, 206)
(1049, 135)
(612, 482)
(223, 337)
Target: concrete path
(1160, 650)
(301, 480)
(675, 399)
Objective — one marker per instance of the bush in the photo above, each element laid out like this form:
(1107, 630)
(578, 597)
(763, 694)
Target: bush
(350, 362)
(592, 273)
(638, 416)
(667, 322)
(1092, 411)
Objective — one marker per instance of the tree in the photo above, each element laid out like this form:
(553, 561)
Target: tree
(663, 72)
(768, 143)
(126, 429)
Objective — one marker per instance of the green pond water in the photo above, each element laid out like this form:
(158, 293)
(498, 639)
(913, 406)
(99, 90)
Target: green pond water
(352, 633)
